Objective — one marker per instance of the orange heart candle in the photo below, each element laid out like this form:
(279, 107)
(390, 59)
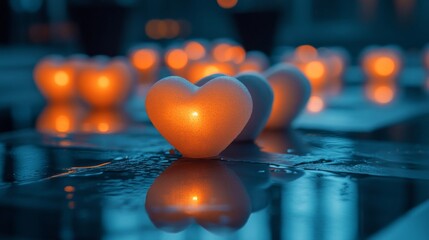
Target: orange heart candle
(199, 121)
(291, 92)
(146, 60)
(205, 191)
(382, 62)
(56, 78)
(104, 84)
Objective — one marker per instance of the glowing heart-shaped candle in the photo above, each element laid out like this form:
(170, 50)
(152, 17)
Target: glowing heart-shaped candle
(146, 59)
(291, 93)
(104, 84)
(199, 121)
(56, 78)
(382, 62)
(262, 97)
(205, 191)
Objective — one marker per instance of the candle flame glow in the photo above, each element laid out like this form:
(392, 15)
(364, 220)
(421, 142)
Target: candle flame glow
(103, 82)
(61, 78)
(384, 66)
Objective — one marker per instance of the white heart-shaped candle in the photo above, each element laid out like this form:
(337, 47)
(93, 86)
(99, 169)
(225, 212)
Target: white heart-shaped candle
(262, 97)
(199, 121)
(291, 93)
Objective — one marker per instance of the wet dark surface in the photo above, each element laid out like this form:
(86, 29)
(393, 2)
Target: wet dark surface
(287, 186)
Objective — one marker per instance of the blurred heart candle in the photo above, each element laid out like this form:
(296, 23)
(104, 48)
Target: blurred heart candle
(262, 97)
(56, 77)
(383, 63)
(145, 59)
(199, 121)
(106, 84)
(291, 93)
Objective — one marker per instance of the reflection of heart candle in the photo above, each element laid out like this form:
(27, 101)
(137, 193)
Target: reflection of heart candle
(205, 191)
(104, 121)
(56, 77)
(106, 84)
(59, 118)
(381, 63)
(146, 60)
(380, 92)
(199, 121)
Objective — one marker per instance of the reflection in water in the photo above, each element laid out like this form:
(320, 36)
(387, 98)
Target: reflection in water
(315, 104)
(380, 92)
(281, 142)
(59, 119)
(104, 121)
(204, 190)
(62, 119)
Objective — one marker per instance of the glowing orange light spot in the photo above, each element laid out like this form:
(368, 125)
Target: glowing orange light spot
(103, 127)
(195, 198)
(62, 124)
(220, 52)
(209, 70)
(305, 52)
(383, 94)
(314, 70)
(176, 59)
(61, 78)
(103, 82)
(194, 114)
(384, 66)
(250, 66)
(315, 104)
(144, 59)
(69, 196)
(69, 189)
(195, 50)
(227, 3)
(236, 54)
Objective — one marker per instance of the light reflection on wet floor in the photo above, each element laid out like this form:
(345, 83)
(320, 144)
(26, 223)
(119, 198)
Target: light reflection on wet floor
(118, 186)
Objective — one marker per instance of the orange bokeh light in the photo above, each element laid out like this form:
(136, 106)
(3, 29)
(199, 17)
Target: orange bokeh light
(381, 93)
(381, 63)
(227, 3)
(61, 78)
(59, 119)
(104, 121)
(203, 69)
(176, 59)
(195, 50)
(220, 52)
(144, 59)
(305, 52)
(316, 72)
(315, 104)
(384, 66)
